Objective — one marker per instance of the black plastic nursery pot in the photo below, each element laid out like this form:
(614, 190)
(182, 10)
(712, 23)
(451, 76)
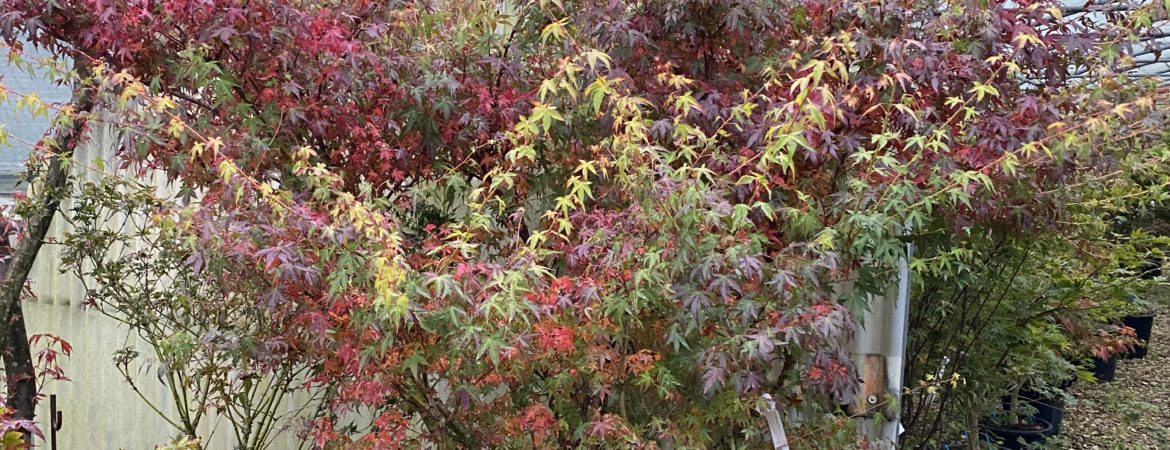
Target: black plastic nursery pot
(1143, 326)
(1104, 370)
(1015, 438)
(1150, 269)
(1049, 410)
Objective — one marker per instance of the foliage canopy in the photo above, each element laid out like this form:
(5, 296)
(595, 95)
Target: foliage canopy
(584, 223)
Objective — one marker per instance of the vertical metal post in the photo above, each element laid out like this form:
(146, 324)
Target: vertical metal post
(879, 352)
(897, 346)
(54, 421)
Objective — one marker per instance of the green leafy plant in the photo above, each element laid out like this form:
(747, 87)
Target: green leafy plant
(560, 224)
(211, 345)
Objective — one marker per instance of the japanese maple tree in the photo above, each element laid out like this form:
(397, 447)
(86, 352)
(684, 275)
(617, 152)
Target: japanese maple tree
(587, 223)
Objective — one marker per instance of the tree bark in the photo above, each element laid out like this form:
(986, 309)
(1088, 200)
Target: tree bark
(14, 346)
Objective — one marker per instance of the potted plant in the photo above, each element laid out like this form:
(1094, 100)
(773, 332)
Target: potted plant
(1043, 395)
(1049, 404)
(1139, 315)
(1032, 404)
(1094, 335)
(1105, 345)
(1019, 425)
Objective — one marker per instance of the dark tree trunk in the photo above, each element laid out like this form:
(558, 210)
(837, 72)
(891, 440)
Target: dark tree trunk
(14, 348)
(22, 388)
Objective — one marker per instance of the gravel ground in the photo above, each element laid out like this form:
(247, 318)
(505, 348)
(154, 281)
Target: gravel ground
(1132, 413)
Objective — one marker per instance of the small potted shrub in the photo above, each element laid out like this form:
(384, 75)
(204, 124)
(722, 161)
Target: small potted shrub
(1031, 408)
(1139, 315)
(1095, 337)
(1019, 425)
(1105, 346)
(1049, 404)
(1045, 395)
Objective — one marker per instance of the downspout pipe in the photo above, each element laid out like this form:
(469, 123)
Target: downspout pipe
(896, 339)
(879, 352)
